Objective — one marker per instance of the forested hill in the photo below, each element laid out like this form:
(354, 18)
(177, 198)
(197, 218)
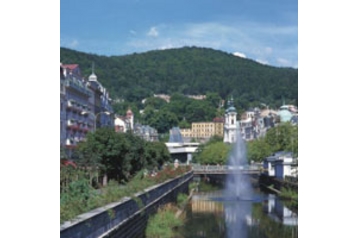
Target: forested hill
(189, 70)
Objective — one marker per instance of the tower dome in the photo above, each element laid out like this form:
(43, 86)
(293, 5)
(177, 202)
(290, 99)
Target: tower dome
(92, 77)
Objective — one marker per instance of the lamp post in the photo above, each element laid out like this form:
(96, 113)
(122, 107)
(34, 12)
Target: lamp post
(95, 116)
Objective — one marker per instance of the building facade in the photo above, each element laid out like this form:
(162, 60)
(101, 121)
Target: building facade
(204, 130)
(230, 125)
(63, 105)
(100, 102)
(76, 100)
(81, 101)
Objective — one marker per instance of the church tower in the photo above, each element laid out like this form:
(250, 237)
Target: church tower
(230, 125)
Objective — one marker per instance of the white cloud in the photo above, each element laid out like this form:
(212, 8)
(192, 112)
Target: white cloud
(73, 43)
(261, 61)
(283, 62)
(153, 32)
(253, 39)
(239, 54)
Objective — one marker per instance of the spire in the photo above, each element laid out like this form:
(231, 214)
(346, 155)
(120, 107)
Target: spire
(230, 102)
(92, 77)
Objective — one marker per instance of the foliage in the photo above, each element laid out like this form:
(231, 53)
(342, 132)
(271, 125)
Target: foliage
(188, 71)
(181, 199)
(290, 194)
(258, 149)
(120, 155)
(283, 137)
(162, 224)
(193, 185)
(213, 153)
(80, 197)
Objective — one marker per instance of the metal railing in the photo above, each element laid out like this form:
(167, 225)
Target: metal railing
(226, 168)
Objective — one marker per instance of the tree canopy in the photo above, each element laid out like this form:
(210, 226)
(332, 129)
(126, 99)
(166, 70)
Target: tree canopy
(120, 155)
(189, 71)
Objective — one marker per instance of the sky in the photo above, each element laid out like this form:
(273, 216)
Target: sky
(261, 30)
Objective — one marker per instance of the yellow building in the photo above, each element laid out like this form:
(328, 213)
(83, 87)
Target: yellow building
(204, 129)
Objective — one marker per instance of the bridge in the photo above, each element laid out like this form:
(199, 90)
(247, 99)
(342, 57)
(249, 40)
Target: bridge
(227, 169)
(182, 151)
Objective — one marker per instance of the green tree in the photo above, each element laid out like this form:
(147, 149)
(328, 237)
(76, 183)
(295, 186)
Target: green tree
(258, 150)
(214, 153)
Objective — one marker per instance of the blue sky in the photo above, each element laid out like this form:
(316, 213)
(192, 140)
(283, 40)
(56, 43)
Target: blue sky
(261, 30)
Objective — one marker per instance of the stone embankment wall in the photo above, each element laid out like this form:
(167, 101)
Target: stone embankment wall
(127, 217)
(278, 184)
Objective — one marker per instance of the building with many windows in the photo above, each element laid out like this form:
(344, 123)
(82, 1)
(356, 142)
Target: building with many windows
(63, 106)
(204, 130)
(100, 102)
(81, 105)
(76, 100)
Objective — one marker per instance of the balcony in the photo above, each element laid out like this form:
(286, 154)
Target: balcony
(70, 104)
(79, 87)
(72, 124)
(70, 144)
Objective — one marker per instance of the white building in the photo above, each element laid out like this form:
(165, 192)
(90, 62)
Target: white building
(278, 165)
(230, 124)
(124, 124)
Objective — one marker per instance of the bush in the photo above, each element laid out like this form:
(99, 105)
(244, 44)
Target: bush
(181, 199)
(162, 224)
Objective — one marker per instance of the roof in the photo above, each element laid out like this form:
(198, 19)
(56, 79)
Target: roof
(231, 109)
(218, 119)
(70, 66)
(65, 162)
(285, 115)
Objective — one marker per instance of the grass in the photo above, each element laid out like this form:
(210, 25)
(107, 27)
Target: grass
(163, 223)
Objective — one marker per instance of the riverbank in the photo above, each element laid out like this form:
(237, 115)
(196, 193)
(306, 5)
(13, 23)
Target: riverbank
(288, 191)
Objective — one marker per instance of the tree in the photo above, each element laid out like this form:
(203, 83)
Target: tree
(163, 120)
(258, 150)
(105, 149)
(214, 153)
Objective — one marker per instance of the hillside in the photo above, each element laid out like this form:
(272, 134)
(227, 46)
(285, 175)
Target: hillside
(189, 70)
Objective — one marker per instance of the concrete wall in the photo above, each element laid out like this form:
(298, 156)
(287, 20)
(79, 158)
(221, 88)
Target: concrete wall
(125, 218)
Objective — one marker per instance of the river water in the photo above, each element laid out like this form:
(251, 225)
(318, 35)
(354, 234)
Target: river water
(210, 214)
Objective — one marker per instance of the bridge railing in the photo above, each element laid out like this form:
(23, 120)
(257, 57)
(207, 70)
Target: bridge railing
(197, 167)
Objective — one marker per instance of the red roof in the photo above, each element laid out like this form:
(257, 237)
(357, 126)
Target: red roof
(66, 162)
(218, 119)
(70, 66)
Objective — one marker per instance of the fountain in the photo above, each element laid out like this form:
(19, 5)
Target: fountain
(238, 192)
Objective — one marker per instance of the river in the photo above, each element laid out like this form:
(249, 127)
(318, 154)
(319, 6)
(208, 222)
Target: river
(209, 214)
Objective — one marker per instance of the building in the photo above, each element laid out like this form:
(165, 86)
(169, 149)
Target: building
(100, 102)
(63, 105)
(204, 130)
(76, 100)
(252, 125)
(146, 132)
(230, 124)
(278, 165)
(84, 106)
(124, 123)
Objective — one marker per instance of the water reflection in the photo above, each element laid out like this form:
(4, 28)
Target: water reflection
(278, 212)
(237, 218)
(209, 216)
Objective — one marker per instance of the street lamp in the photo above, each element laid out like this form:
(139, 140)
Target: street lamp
(95, 116)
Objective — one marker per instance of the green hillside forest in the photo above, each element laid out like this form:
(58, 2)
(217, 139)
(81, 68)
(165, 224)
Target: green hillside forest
(189, 71)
